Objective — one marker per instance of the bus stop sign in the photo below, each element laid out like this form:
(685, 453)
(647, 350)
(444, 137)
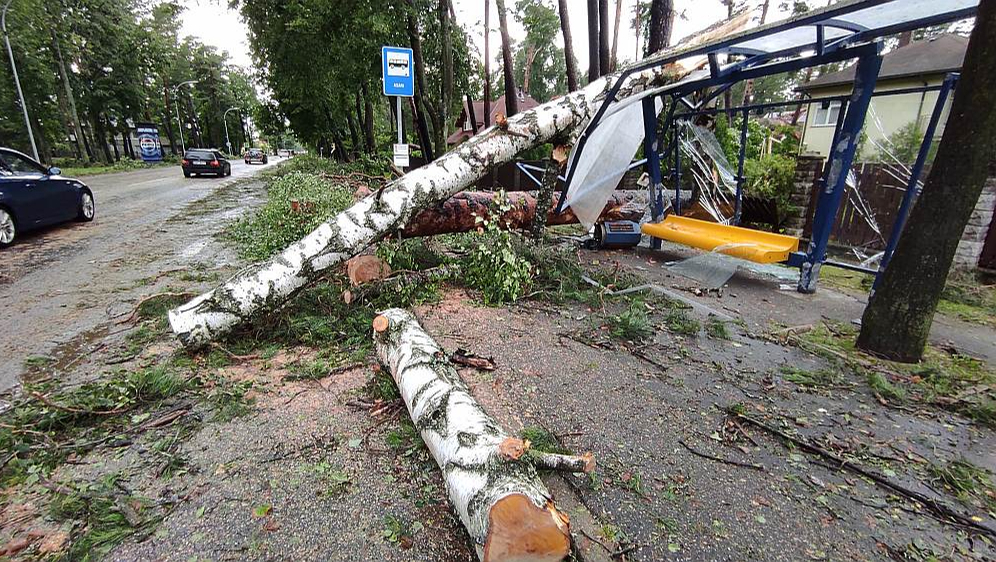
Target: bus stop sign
(399, 74)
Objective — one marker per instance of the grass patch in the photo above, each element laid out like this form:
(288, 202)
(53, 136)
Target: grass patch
(951, 381)
(679, 322)
(717, 329)
(74, 169)
(381, 387)
(632, 324)
(970, 297)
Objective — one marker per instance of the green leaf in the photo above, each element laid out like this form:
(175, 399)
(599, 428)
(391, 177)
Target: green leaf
(262, 510)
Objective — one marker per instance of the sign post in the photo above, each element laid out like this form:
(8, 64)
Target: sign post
(399, 81)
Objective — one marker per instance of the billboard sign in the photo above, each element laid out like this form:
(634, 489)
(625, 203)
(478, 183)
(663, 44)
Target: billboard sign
(148, 142)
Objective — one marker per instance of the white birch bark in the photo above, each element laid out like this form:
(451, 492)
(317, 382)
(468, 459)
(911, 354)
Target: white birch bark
(263, 287)
(465, 442)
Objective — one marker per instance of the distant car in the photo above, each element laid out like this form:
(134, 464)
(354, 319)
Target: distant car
(197, 161)
(284, 152)
(256, 155)
(33, 196)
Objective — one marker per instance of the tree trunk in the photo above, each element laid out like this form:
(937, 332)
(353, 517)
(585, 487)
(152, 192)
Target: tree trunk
(661, 18)
(266, 286)
(368, 121)
(354, 135)
(487, 63)
(507, 510)
(74, 116)
(460, 212)
(565, 29)
(511, 96)
(549, 184)
(447, 94)
(101, 137)
(615, 37)
(527, 72)
(422, 128)
(604, 29)
(897, 321)
(593, 70)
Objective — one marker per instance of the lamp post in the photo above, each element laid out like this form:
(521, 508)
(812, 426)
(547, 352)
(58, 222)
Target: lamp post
(224, 118)
(176, 106)
(17, 81)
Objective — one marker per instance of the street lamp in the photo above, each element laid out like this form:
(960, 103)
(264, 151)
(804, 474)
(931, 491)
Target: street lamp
(224, 118)
(176, 106)
(17, 81)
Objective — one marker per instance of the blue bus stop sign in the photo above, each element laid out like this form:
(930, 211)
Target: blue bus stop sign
(399, 72)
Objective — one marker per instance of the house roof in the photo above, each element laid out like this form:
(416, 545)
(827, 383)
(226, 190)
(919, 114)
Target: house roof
(939, 55)
(497, 106)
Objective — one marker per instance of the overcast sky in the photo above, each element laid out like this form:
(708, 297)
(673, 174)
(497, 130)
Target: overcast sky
(215, 24)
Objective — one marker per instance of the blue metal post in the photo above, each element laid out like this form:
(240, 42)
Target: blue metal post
(650, 150)
(738, 208)
(913, 187)
(842, 156)
(677, 168)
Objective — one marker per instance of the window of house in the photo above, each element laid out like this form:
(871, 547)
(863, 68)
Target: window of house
(827, 114)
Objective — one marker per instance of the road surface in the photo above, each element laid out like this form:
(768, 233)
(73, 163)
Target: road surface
(64, 281)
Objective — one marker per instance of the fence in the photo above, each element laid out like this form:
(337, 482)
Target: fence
(867, 214)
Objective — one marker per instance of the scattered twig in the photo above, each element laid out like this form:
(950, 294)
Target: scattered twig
(596, 541)
(48, 402)
(938, 507)
(135, 310)
(624, 551)
(697, 453)
(231, 355)
(464, 357)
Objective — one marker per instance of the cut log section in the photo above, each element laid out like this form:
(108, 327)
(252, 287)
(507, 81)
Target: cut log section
(494, 489)
(263, 287)
(460, 212)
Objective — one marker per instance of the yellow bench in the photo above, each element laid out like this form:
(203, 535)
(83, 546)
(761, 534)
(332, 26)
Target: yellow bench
(744, 243)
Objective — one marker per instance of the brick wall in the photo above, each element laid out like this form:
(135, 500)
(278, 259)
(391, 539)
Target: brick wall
(974, 237)
(807, 171)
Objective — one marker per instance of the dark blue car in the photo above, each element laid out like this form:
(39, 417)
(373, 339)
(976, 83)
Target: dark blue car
(33, 196)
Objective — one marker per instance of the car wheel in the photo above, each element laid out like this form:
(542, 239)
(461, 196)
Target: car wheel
(186, 174)
(8, 230)
(87, 207)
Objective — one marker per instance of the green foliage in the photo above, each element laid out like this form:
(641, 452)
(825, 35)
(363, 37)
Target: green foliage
(772, 177)
(884, 388)
(802, 377)
(904, 145)
(493, 266)
(542, 440)
(275, 226)
(548, 71)
(969, 483)
(98, 509)
(632, 324)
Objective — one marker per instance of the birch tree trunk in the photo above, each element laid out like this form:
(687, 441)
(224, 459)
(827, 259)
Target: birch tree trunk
(499, 497)
(266, 286)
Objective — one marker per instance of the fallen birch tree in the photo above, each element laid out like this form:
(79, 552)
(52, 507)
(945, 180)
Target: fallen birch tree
(263, 287)
(490, 476)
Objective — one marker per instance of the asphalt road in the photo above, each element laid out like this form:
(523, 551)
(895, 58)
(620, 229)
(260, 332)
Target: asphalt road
(63, 281)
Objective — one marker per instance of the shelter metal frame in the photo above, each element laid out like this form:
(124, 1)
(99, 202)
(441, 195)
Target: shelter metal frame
(857, 42)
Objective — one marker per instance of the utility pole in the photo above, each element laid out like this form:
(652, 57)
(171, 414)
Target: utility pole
(224, 119)
(17, 81)
(179, 124)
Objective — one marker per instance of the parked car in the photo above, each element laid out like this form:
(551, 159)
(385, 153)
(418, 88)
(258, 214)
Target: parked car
(197, 161)
(256, 155)
(284, 153)
(33, 196)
